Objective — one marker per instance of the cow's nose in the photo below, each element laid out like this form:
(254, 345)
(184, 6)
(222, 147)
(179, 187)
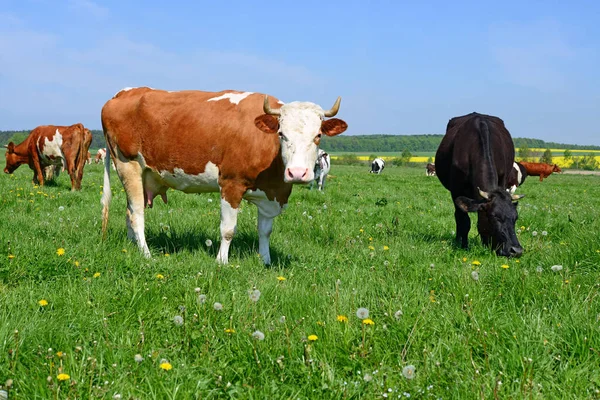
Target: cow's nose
(296, 174)
(6, 171)
(516, 251)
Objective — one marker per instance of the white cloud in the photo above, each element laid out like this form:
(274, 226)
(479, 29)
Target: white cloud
(89, 7)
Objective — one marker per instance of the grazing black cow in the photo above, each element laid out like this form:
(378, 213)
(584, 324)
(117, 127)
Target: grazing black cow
(377, 166)
(473, 162)
(430, 169)
(516, 177)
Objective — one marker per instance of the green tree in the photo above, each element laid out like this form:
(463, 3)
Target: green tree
(406, 156)
(18, 137)
(589, 162)
(524, 152)
(546, 157)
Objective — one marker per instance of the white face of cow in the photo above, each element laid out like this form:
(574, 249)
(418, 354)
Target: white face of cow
(300, 126)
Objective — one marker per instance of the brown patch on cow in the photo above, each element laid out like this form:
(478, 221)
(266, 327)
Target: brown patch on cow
(267, 123)
(333, 126)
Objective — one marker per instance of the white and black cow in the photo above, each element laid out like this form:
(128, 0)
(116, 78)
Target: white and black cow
(377, 166)
(322, 167)
(516, 177)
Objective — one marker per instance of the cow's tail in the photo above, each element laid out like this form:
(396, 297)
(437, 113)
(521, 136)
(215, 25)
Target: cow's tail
(106, 192)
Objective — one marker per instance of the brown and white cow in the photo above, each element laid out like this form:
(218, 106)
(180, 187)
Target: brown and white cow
(244, 145)
(430, 169)
(50, 148)
(100, 156)
(88, 159)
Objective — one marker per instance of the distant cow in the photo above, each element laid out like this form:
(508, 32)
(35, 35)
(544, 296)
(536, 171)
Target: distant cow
(516, 177)
(473, 162)
(241, 144)
(377, 166)
(430, 169)
(50, 145)
(100, 156)
(322, 167)
(542, 170)
(88, 159)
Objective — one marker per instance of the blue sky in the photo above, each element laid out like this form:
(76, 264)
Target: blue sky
(400, 68)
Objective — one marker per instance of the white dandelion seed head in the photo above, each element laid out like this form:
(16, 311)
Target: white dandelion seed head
(282, 319)
(258, 335)
(202, 298)
(386, 263)
(432, 266)
(475, 275)
(117, 396)
(368, 377)
(138, 358)
(61, 208)
(556, 268)
(544, 233)
(534, 233)
(362, 313)
(254, 295)
(209, 200)
(409, 371)
(218, 306)
(208, 242)
(197, 290)
(539, 269)
(178, 320)
(398, 314)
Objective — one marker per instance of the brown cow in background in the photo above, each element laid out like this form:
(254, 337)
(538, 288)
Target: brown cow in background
(50, 145)
(542, 170)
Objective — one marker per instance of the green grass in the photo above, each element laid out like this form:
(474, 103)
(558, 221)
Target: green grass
(536, 332)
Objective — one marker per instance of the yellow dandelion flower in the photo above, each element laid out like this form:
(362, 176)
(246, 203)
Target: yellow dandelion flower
(505, 266)
(370, 239)
(475, 262)
(97, 275)
(160, 276)
(464, 259)
(368, 321)
(59, 354)
(10, 256)
(281, 278)
(566, 281)
(312, 338)
(63, 377)
(386, 248)
(43, 302)
(76, 263)
(361, 230)
(229, 330)
(342, 318)
(166, 366)
(60, 252)
(522, 228)
(167, 255)
(517, 261)
(371, 248)
(124, 250)
(320, 323)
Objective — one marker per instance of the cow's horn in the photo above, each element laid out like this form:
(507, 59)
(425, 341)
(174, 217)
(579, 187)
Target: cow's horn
(267, 107)
(6, 146)
(516, 197)
(483, 194)
(334, 110)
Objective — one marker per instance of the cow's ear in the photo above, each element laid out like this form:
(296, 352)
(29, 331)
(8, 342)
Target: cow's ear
(333, 126)
(267, 123)
(468, 205)
(11, 148)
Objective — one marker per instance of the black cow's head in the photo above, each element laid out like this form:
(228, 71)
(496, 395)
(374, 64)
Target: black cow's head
(497, 219)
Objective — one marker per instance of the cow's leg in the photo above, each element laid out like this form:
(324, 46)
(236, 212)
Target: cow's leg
(38, 172)
(72, 172)
(322, 181)
(229, 215)
(463, 226)
(130, 173)
(267, 211)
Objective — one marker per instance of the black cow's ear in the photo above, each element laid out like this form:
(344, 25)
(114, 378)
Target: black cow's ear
(468, 205)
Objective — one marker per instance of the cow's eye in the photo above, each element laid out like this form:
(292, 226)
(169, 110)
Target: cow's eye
(281, 135)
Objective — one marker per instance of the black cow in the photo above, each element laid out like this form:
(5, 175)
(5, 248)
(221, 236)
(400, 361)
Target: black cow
(473, 162)
(377, 166)
(516, 177)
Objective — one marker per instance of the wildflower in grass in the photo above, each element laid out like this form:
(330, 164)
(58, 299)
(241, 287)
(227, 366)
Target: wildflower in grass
(97, 275)
(371, 248)
(229, 330)
(282, 319)
(539, 269)
(124, 250)
(281, 278)
(197, 290)
(10, 256)
(61, 208)
(208, 242)
(258, 335)
(368, 377)
(534, 233)
(544, 233)
(77, 264)
(43, 302)
(464, 259)
(320, 323)
(368, 321)
(165, 365)
(60, 251)
(475, 275)
(556, 268)
(178, 320)
(476, 263)
(386, 263)
(505, 266)
(362, 313)
(312, 338)
(386, 248)
(361, 230)
(160, 276)
(522, 228)
(202, 298)
(167, 255)
(342, 318)
(398, 314)
(138, 358)
(254, 295)
(218, 306)
(63, 377)
(409, 372)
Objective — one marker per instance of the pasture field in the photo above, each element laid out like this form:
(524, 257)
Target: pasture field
(100, 321)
